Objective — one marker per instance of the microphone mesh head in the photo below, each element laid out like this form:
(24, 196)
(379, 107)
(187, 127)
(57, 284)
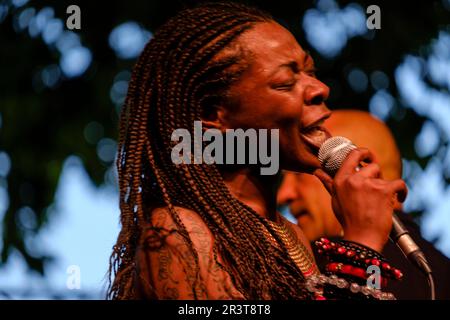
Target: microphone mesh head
(333, 152)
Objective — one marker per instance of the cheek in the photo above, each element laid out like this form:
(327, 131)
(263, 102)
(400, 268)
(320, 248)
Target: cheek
(267, 108)
(288, 110)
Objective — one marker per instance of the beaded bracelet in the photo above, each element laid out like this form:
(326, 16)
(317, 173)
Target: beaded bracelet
(315, 285)
(349, 248)
(349, 252)
(349, 270)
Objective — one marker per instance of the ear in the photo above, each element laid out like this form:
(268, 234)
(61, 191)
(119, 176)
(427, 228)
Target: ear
(214, 118)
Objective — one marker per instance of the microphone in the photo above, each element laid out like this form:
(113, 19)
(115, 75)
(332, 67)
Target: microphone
(332, 154)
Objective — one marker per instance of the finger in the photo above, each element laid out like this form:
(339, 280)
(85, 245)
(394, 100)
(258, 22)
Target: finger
(371, 170)
(353, 161)
(326, 180)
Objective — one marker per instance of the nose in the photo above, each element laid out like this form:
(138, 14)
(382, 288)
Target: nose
(287, 192)
(316, 92)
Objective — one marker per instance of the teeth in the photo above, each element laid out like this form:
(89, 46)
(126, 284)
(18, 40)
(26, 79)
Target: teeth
(312, 129)
(316, 134)
(316, 126)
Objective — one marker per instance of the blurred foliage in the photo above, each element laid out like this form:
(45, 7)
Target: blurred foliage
(41, 127)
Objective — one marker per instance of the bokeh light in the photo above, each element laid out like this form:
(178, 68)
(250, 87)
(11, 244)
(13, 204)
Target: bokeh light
(427, 141)
(5, 164)
(106, 149)
(93, 132)
(379, 80)
(75, 61)
(381, 104)
(357, 79)
(328, 28)
(128, 39)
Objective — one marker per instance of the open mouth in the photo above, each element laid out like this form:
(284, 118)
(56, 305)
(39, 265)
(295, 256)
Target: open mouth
(315, 135)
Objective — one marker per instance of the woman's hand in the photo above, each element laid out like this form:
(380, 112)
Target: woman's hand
(362, 201)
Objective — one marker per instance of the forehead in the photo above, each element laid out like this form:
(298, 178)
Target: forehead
(271, 45)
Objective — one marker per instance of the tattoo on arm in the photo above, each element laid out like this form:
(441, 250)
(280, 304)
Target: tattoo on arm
(170, 261)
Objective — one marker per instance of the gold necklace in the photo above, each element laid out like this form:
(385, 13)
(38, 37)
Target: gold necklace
(296, 249)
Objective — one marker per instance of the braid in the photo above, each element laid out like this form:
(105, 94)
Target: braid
(178, 76)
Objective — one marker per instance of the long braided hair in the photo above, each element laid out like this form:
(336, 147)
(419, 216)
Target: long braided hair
(177, 79)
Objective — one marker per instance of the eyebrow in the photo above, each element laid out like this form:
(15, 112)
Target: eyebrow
(293, 65)
(307, 57)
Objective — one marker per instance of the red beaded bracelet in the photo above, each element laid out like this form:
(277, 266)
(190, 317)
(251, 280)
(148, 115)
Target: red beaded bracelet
(362, 259)
(340, 268)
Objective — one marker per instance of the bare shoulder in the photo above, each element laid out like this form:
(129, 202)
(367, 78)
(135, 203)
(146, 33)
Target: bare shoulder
(165, 259)
(163, 220)
(168, 266)
(161, 217)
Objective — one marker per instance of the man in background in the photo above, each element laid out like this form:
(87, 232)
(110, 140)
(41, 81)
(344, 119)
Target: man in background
(310, 204)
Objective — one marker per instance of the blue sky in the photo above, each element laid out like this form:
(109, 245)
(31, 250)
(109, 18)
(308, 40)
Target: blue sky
(81, 232)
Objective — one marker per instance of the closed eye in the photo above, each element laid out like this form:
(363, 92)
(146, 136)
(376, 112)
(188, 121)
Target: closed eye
(285, 86)
(311, 72)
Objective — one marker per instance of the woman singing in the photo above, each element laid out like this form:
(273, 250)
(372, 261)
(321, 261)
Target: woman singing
(212, 231)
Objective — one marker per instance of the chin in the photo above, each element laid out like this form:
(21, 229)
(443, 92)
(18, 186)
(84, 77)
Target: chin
(302, 166)
(299, 161)
(308, 165)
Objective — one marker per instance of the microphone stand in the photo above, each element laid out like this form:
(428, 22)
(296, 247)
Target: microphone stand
(400, 236)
